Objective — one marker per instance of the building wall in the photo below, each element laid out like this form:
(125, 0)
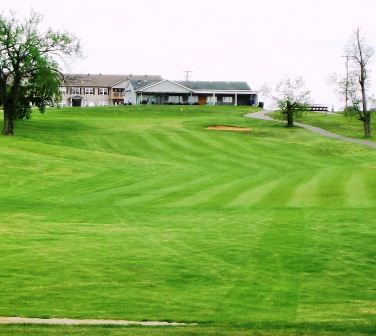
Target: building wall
(87, 99)
(166, 87)
(163, 92)
(205, 99)
(130, 95)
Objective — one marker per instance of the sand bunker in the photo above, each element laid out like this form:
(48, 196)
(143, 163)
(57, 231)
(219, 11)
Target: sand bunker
(228, 128)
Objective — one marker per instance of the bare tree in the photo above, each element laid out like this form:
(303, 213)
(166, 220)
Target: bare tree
(360, 54)
(346, 88)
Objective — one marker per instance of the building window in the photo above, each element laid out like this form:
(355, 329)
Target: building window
(117, 93)
(227, 99)
(89, 91)
(103, 91)
(175, 99)
(211, 100)
(75, 91)
(193, 99)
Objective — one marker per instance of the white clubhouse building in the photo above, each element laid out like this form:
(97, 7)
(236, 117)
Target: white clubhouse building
(102, 90)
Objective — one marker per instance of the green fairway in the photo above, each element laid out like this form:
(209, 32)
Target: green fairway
(140, 213)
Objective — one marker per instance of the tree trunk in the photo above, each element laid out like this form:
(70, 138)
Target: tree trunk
(290, 115)
(367, 125)
(8, 119)
(362, 81)
(290, 119)
(8, 125)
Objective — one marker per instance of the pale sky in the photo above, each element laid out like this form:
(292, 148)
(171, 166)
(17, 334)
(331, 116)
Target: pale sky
(260, 42)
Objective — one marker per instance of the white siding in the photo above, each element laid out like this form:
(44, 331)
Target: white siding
(167, 87)
(130, 95)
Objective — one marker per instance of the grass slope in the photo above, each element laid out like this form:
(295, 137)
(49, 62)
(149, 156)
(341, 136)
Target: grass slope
(140, 213)
(338, 123)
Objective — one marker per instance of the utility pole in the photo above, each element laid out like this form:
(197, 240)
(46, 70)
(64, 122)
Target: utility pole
(347, 80)
(187, 75)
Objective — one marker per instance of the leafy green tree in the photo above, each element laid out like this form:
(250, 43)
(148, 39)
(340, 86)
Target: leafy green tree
(29, 69)
(292, 98)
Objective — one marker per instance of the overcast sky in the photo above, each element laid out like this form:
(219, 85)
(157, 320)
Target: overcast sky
(256, 41)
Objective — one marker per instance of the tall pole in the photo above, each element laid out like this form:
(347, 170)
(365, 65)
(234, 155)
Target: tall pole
(187, 75)
(347, 81)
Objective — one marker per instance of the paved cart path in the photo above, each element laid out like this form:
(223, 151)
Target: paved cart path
(262, 115)
(67, 321)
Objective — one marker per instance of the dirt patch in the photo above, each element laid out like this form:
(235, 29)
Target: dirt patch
(66, 321)
(228, 128)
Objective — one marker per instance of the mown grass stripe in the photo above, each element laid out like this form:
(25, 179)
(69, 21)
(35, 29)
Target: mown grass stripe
(140, 213)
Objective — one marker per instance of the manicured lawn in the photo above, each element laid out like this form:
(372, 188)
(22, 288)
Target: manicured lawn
(215, 329)
(141, 213)
(338, 123)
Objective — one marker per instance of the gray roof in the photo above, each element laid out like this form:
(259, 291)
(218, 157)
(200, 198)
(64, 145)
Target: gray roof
(139, 83)
(102, 80)
(218, 85)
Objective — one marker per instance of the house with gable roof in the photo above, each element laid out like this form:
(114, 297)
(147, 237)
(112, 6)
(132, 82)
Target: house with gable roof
(197, 92)
(101, 90)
